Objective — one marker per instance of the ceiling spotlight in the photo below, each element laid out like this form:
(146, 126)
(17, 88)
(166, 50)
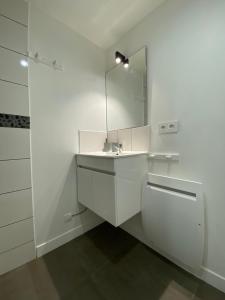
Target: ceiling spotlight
(119, 57)
(24, 63)
(126, 63)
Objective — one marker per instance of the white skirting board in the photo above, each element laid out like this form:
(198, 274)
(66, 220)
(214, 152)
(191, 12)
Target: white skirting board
(206, 275)
(64, 238)
(141, 226)
(213, 278)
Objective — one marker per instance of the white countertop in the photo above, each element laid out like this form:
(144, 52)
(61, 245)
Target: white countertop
(113, 154)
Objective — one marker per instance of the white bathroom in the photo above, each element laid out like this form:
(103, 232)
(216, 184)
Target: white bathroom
(112, 121)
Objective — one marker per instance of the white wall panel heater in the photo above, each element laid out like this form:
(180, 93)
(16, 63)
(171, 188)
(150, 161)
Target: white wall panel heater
(173, 219)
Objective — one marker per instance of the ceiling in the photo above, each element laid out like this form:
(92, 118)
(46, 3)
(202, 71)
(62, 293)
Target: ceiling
(103, 22)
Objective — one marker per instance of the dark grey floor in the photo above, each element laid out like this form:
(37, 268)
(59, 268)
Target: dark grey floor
(104, 264)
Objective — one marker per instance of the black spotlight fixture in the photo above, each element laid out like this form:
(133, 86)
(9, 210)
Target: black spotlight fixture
(119, 57)
(126, 63)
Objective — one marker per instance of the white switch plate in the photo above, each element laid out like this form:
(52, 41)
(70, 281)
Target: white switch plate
(168, 127)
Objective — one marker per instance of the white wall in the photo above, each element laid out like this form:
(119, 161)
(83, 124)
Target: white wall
(186, 47)
(61, 103)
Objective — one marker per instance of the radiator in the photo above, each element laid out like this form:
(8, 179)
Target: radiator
(173, 219)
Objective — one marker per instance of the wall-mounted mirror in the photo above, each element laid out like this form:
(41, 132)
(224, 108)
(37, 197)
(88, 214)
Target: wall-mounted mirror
(126, 91)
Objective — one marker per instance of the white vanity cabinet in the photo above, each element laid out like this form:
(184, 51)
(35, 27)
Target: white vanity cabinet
(111, 186)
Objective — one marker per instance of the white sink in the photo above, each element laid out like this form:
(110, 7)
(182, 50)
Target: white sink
(113, 154)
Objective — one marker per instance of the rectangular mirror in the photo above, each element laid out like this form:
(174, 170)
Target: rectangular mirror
(126, 91)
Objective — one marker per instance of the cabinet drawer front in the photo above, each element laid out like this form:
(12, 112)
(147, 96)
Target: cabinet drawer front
(104, 196)
(98, 163)
(85, 187)
(16, 234)
(96, 191)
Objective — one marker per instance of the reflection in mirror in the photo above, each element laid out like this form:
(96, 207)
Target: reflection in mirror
(126, 90)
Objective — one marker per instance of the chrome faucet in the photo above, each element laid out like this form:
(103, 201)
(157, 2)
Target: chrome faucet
(116, 147)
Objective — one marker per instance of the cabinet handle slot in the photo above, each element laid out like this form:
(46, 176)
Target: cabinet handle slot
(172, 189)
(97, 170)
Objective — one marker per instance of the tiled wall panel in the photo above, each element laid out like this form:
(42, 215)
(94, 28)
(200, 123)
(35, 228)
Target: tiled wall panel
(124, 138)
(112, 136)
(91, 141)
(16, 234)
(15, 207)
(16, 257)
(13, 35)
(15, 143)
(15, 175)
(14, 99)
(14, 121)
(140, 138)
(132, 139)
(16, 213)
(11, 69)
(15, 9)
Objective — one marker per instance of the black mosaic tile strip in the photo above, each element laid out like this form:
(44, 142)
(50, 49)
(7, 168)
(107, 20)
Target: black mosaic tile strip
(14, 121)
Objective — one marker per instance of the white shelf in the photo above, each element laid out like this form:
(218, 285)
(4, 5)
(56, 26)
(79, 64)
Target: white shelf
(164, 156)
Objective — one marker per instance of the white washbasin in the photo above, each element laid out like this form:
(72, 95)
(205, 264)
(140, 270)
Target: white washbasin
(113, 154)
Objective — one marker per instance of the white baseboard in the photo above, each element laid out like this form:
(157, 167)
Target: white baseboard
(64, 238)
(206, 275)
(213, 278)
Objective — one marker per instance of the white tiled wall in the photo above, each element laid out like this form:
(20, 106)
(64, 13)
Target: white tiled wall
(140, 138)
(15, 10)
(15, 206)
(91, 141)
(132, 139)
(15, 175)
(112, 136)
(16, 257)
(16, 213)
(16, 143)
(16, 234)
(13, 99)
(125, 138)
(11, 69)
(13, 35)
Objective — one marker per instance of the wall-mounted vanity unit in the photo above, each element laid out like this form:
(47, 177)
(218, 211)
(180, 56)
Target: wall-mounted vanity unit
(110, 184)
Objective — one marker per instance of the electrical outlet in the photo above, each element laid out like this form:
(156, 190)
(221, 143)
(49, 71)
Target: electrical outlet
(68, 217)
(168, 127)
(172, 127)
(162, 127)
